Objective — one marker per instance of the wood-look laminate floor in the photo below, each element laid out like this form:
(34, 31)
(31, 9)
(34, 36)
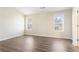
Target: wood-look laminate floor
(37, 44)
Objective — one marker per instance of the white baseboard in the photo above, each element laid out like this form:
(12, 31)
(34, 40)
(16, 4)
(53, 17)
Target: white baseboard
(74, 43)
(20, 34)
(49, 36)
(11, 36)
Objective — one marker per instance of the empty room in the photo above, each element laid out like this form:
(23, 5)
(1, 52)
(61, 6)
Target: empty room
(39, 29)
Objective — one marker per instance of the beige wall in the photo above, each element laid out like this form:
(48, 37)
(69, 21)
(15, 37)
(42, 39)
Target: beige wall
(11, 23)
(43, 25)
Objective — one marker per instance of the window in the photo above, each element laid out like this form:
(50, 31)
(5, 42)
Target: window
(28, 23)
(59, 23)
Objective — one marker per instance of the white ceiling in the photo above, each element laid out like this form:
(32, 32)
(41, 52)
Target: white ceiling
(34, 10)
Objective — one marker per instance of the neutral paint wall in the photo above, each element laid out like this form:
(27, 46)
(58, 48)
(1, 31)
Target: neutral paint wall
(11, 23)
(43, 25)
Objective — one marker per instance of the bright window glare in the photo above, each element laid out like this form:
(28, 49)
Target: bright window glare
(28, 23)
